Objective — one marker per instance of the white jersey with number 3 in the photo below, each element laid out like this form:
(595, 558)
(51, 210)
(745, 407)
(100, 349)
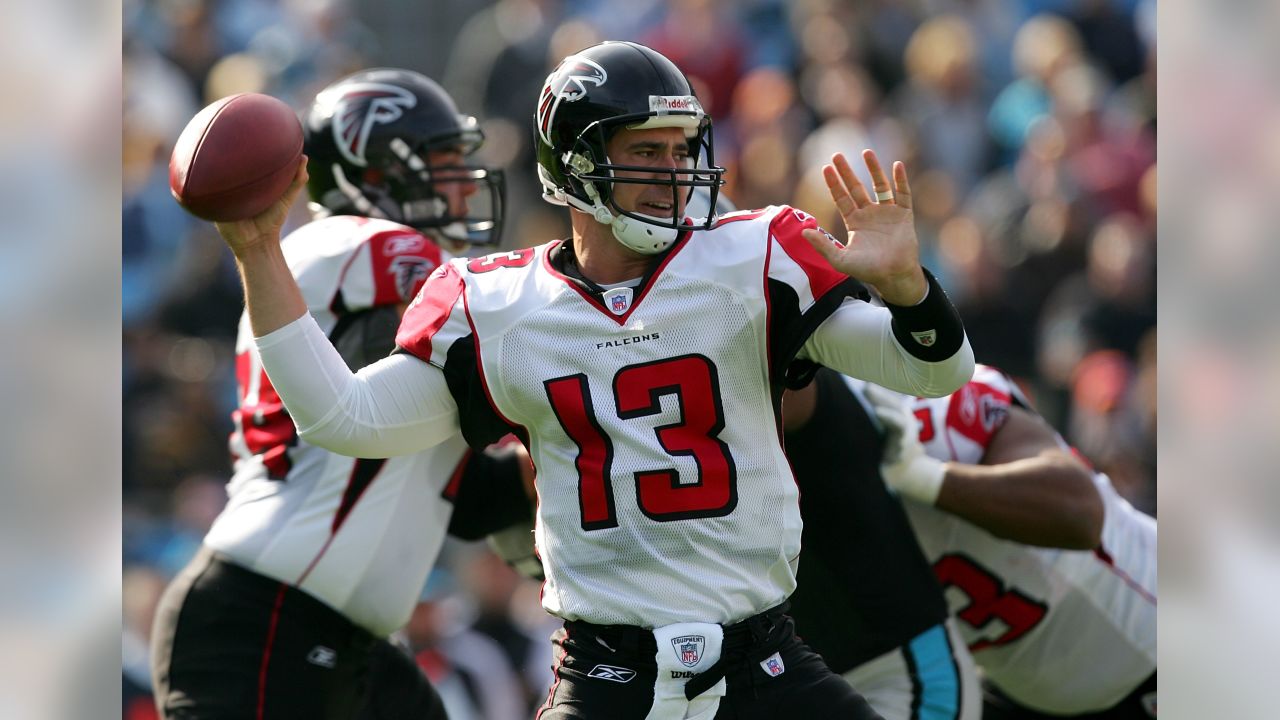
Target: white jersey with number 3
(663, 491)
(1059, 631)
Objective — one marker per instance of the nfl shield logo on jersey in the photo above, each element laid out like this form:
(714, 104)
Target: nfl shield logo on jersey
(689, 648)
(618, 300)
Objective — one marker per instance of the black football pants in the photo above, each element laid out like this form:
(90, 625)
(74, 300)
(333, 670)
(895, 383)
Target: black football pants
(230, 644)
(609, 672)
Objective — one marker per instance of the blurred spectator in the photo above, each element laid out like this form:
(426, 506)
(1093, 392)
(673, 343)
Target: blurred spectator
(168, 542)
(941, 102)
(141, 590)
(1110, 36)
(157, 104)
(469, 669)
(1106, 424)
(493, 585)
(759, 141)
(1000, 328)
(705, 39)
(1043, 47)
(1110, 305)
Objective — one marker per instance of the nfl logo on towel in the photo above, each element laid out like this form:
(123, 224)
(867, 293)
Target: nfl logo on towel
(773, 666)
(689, 648)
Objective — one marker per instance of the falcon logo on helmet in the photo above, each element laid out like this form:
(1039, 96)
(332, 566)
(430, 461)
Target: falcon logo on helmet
(359, 108)
(567, 82)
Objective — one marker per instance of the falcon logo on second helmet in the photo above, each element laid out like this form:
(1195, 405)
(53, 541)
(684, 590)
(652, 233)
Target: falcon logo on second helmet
(359, 108)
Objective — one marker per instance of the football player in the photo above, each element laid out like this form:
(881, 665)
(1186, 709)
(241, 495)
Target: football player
(317, 557)
(642, 363)
(866, 598)
(1050, 573)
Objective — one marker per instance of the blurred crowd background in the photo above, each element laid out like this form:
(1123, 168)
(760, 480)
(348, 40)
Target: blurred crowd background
(1028, 128)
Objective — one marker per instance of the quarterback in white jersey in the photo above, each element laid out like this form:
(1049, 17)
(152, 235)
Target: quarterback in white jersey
(642, 363)
(685, 360)
(1057, 631)
(317, 557)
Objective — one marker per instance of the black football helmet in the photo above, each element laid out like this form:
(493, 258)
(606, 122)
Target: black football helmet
(591, 95)
(368, 136)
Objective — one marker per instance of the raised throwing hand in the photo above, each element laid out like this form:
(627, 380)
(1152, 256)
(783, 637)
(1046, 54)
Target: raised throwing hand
(244, 235)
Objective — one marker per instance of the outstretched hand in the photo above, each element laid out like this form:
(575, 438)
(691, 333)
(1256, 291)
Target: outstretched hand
(882, 249)
(244, 235)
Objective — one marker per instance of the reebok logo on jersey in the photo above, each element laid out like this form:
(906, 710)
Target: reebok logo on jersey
(926, 338)
(403, 245)
(773, 665)
(612, 673)
(323, 656)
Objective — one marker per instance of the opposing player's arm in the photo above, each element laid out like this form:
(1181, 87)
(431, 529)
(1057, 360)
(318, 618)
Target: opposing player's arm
(1027, 489)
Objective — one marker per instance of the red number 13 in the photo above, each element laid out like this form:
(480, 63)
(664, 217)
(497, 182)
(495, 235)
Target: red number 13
(638, 391)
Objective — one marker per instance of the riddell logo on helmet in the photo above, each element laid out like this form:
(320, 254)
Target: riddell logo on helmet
(668, 103)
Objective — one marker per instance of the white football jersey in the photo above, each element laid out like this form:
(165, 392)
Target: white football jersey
(663, 491)
(360, 535)
(1059, 631)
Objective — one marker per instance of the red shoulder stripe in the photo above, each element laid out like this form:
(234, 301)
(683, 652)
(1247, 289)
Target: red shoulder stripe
(429, 311)
(786, 228)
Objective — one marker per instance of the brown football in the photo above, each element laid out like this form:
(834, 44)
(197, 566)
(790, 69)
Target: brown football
(235, 157)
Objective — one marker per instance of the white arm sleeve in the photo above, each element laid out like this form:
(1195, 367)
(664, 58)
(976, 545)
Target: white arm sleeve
(857, 340)
(396, 406)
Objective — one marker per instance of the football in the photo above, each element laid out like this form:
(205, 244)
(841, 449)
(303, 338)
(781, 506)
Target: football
(236, 157)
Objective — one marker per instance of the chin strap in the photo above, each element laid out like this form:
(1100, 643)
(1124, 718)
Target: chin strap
(634, 234)
(362, 204)
(641, 236)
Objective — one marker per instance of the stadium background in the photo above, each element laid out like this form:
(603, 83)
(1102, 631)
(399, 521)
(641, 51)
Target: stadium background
(1028, 127)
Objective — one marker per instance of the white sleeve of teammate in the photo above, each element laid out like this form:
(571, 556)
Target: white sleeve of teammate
(858, 340)
(396, 406)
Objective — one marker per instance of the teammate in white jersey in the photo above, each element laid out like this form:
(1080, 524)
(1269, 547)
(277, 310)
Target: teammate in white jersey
(1064, 629)
(642, 363)
(317, 557)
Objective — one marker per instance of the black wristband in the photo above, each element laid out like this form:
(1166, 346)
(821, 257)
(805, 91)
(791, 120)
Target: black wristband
(932, 330)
